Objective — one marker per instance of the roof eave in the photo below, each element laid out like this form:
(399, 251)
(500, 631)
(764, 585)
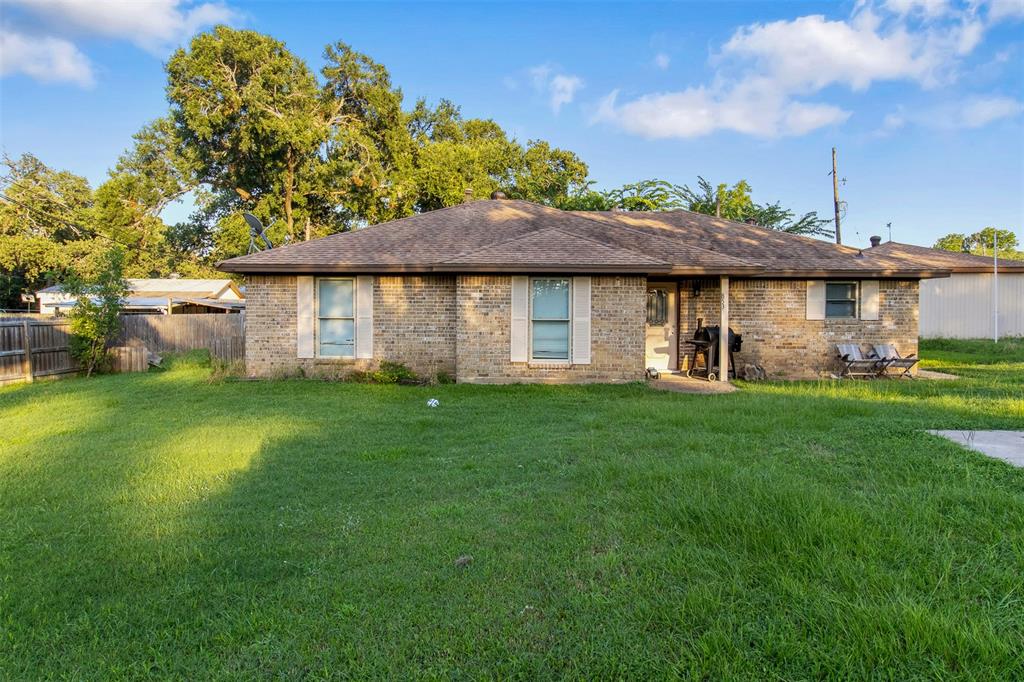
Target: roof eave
(855, 274)
(1003, 270)
(254, 269)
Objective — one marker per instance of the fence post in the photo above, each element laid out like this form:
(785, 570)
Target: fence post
(26, 345)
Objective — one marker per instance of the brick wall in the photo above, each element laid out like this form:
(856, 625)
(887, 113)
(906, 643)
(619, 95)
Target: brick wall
(618, 310)
(461, 325)
(771, 316)
(413, 323)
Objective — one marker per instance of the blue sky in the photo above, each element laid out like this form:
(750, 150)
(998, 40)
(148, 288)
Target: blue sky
(923, 98)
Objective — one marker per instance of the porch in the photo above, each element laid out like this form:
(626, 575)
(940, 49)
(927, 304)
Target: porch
(675, 309)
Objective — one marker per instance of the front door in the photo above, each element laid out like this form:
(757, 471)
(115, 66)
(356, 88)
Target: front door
(662, 337)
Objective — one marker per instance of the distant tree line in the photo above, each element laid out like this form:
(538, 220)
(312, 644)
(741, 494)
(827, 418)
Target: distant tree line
(251, 127)
(983, 243)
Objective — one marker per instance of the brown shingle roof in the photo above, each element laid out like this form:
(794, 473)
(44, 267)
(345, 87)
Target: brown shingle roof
(777, 253)
(553, 248)
(519, 236)
(953, 261)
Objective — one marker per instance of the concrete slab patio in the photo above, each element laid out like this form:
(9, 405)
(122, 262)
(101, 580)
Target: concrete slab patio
(683, 384)
(1005, 445)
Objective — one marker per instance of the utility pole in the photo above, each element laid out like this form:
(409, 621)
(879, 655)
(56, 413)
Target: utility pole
(835, 195)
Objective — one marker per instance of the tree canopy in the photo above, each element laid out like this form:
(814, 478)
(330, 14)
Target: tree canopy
(982, 242)
(258, 131)
(732, 203)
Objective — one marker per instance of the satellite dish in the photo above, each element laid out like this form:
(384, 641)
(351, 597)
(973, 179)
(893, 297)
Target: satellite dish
(257, 234)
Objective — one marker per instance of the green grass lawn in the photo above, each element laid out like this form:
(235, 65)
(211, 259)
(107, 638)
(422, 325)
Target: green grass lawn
(172, 525)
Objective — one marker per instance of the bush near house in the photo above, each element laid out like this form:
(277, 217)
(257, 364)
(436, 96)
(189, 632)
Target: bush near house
(167, 525)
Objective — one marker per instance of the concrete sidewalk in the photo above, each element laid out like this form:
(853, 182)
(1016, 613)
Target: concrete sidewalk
(1005, 445)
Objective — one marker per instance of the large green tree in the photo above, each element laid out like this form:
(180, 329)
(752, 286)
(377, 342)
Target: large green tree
(320, 154)
(46, 225)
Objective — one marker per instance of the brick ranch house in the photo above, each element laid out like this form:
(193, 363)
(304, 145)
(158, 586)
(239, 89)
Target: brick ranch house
(499, 290)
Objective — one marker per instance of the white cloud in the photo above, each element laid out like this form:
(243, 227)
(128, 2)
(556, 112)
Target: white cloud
(46, 59)
(154, 25)
(998, 10)
(928, 8)
(563, 89)
(765, 72)
(973, 112)
(662, 60)
(978, 112)
(811, 53)
(560, 88)
(700, 111)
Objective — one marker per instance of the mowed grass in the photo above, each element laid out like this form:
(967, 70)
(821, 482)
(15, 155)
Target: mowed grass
(170, 525)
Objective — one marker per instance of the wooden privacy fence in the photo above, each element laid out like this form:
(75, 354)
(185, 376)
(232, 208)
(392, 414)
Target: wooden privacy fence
(30, 349)
(223, 335)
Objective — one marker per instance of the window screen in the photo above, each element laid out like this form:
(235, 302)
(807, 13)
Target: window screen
(336, 318)
(549, 317)
(841, 299)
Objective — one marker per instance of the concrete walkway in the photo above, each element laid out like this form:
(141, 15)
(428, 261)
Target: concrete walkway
(1005, 445)
(683, 384)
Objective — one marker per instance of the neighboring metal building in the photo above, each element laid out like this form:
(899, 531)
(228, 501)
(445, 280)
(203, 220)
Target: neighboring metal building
(160, 296)
(962, 306)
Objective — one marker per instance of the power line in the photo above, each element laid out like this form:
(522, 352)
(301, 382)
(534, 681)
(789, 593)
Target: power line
(79, 230)
(40, 192)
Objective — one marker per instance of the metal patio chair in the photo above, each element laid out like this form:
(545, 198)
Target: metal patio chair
(856, 364)
(892, 358)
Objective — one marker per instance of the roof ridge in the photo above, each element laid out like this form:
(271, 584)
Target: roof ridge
(660, 237)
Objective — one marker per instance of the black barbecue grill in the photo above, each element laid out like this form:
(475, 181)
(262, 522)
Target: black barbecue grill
(705, 347)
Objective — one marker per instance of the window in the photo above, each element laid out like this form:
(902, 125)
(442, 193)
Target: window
(841, 300)
(336, 324)
(657, 307)
(549, 319)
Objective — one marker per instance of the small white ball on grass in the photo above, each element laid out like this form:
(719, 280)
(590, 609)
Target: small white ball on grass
(433, 402)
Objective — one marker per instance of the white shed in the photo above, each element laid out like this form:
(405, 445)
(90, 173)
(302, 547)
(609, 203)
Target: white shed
(961, 306)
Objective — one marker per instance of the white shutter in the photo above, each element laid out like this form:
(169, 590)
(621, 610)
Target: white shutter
(364, 316)
(815, 299)
(520, 318)
(304, 304)
(581, 320)
(869, 299)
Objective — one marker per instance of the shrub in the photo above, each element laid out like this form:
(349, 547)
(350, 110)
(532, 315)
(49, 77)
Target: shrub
(96, 317)
(387, 373)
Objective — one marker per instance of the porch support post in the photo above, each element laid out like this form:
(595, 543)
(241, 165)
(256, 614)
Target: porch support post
(723, 336)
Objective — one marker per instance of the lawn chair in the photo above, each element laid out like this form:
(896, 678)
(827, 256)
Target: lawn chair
(856, 364)
(888, 353)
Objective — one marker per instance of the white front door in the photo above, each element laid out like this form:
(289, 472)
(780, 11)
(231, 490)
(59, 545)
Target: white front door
(662, 336)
